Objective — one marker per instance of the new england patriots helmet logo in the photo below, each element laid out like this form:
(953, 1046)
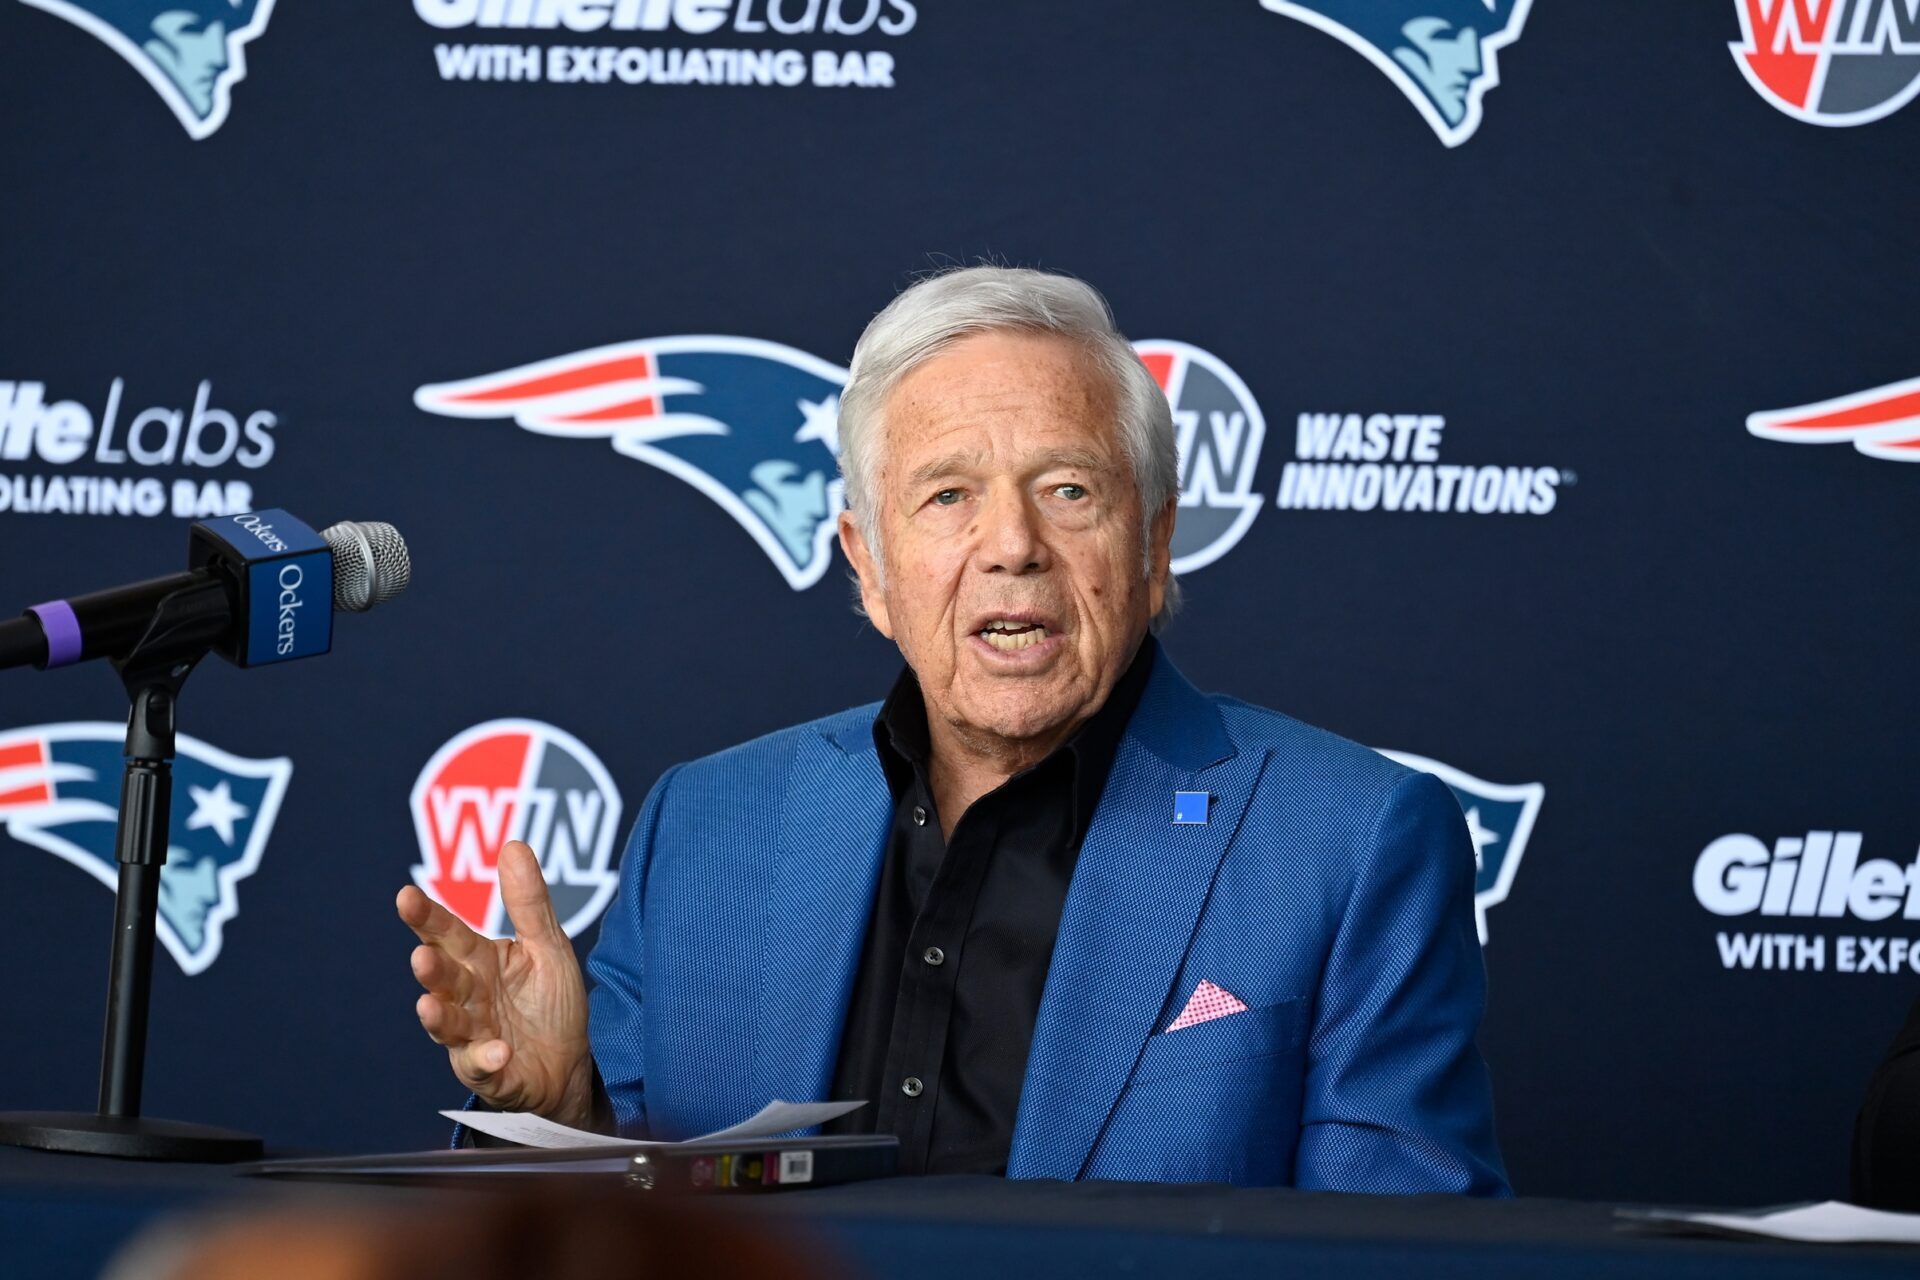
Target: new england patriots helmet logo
(1883, 422)
(1442, 54)
(191, 51)
(60, 791)
(754, 425)
(1499, 819)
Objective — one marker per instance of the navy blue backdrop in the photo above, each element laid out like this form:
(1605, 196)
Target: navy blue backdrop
(1503, 338)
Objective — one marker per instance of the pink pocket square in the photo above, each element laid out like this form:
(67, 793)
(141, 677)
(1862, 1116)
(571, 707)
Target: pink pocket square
(1207, 1003)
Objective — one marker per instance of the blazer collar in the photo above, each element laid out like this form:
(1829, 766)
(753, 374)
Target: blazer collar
(833, 832)
(1137, 893)
(1178, 723)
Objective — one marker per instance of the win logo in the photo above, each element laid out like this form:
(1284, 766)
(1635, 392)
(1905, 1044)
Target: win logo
(1831, 62)
(1219, 430)
(516, 780)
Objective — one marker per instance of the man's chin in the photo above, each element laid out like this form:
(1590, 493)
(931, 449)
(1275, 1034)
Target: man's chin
(1016, 724)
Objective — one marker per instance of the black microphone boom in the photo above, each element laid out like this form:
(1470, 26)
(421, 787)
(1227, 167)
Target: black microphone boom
(111, 622)
(22, 643)
(370, 565)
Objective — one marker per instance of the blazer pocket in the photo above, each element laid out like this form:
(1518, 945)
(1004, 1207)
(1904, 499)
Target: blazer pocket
(1256, 1033)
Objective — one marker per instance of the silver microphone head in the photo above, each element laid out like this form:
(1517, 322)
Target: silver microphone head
(370, 563)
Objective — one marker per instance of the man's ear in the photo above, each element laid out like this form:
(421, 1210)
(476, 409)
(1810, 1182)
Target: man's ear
(1162, 556)
(872, 599)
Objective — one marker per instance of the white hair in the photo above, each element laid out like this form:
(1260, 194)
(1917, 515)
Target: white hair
(943, 308)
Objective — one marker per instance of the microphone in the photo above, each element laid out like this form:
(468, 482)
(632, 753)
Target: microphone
(268, 584)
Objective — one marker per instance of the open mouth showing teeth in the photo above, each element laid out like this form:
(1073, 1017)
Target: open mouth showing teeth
(1008, 636)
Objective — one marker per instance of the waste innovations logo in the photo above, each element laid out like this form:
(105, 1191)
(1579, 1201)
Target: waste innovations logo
(1831, 62)
(60, 791)
(1443, 54)
(191, 51)
(1819, 877)
(1219, 430)
(1500, 820)
(661, 42)
(516, 780)
(41, 438)
(751, 424)
(1881, 423)
(1391, 462)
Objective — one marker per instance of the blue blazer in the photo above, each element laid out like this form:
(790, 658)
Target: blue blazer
(1330, 891)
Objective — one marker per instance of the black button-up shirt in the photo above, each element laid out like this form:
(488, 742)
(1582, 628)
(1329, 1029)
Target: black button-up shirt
(961, 935)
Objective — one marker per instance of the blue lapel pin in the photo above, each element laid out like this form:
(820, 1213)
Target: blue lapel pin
(1190, 808)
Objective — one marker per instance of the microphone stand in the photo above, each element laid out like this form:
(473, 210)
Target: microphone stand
(184, 629)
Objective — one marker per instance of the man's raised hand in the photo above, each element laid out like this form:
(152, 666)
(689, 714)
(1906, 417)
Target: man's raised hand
(512, 1012)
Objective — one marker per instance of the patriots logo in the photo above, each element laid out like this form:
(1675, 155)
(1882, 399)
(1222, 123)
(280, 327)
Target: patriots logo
(1499, 819)
(190, 51)
(1881, 423)
(1442, 54)
(60, 791)
(754, 425)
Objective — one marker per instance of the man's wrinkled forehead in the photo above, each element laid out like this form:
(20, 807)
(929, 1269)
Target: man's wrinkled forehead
(959, 423)
(998, 374)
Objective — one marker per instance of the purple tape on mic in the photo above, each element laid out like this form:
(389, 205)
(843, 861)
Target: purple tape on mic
(63, 631)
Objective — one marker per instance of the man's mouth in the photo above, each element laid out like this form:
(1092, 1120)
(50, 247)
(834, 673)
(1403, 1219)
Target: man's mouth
(1008, 635)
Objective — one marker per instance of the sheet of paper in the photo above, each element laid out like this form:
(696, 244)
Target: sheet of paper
(784, 1117)
(530, 1130)
(1830, 1222)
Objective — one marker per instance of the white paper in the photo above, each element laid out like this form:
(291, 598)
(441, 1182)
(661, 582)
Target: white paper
(530, 1130)
(1830, 1222)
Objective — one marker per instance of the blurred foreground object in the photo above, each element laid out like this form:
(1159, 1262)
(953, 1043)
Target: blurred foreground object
(554, 1236)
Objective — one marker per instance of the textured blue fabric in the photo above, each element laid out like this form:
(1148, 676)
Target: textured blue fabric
(1330, 889)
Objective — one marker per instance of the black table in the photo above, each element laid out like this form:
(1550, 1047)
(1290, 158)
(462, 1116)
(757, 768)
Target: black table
(64, 1216)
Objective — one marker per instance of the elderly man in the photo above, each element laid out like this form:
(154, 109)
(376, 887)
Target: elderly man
(1053, 911)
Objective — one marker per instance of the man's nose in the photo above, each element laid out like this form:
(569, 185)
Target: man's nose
(1011, 538)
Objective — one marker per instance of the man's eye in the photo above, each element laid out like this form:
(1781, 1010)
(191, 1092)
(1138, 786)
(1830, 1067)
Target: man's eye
(947, 497)
(1071, 492)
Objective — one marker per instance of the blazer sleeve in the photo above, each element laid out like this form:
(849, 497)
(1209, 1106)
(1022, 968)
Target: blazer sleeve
(616, 973)
(1397, 1098)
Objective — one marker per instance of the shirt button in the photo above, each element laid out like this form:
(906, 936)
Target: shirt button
(934, 956)
(911, 1086)
(919, 816)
